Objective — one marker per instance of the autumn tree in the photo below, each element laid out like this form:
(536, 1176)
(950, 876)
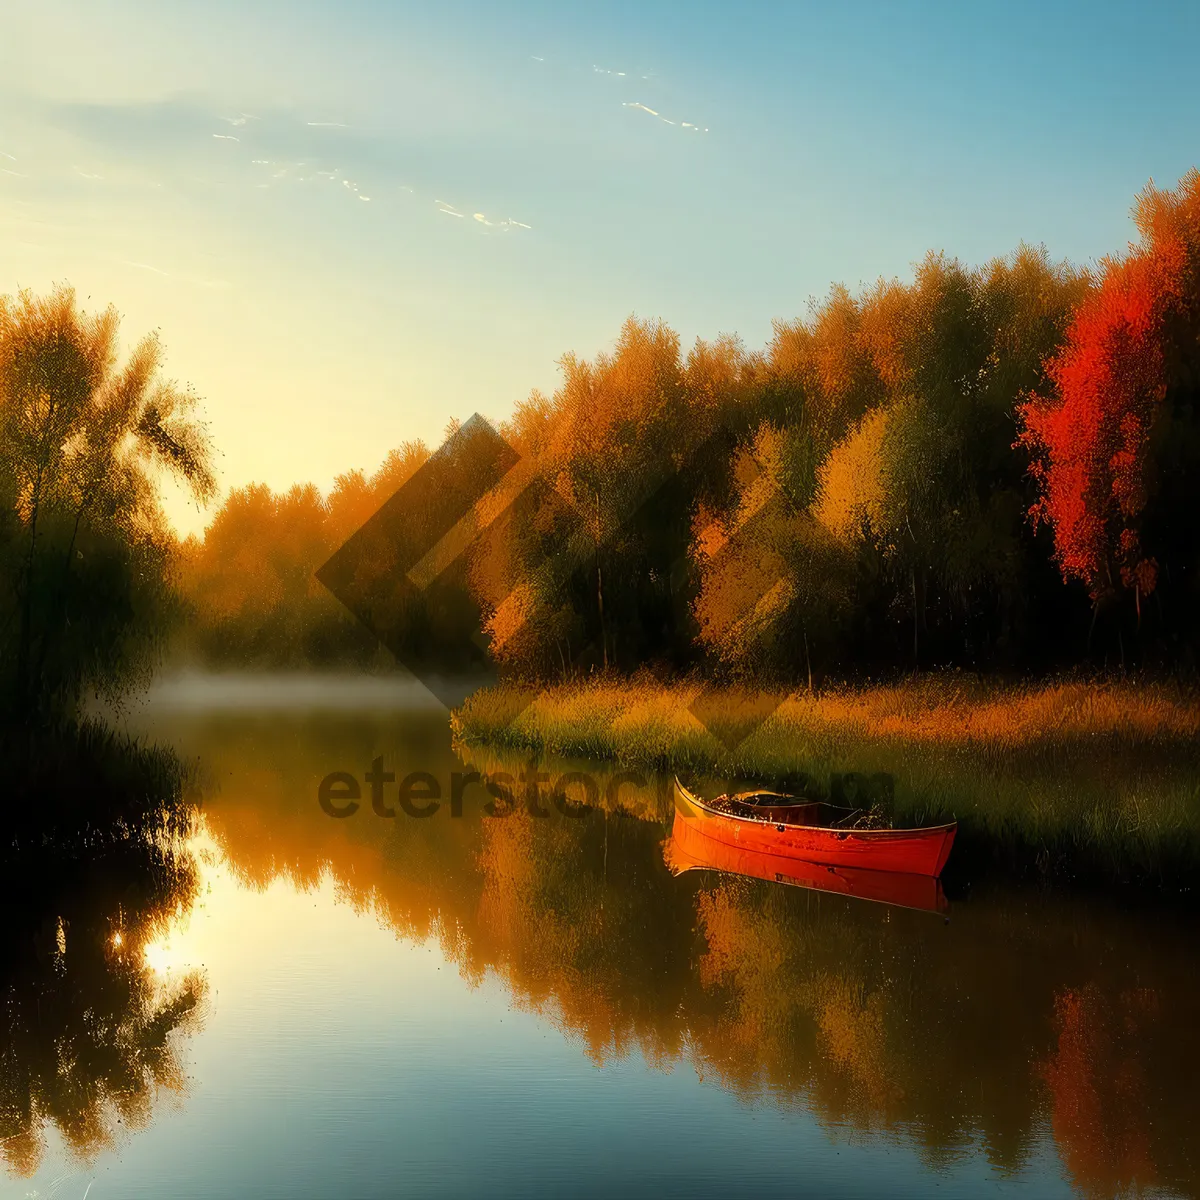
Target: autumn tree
(1114, 435)
(774, 582)
(924, 483)
(87, 554)
(251, 580)
(591, 566)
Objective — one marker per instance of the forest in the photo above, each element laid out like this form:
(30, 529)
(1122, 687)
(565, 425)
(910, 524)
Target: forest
(987, 467)
(990, 467)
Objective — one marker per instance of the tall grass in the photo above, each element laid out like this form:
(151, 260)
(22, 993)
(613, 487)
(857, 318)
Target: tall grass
(1072, 778)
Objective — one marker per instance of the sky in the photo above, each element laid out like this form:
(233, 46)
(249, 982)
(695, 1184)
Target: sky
(353, 222)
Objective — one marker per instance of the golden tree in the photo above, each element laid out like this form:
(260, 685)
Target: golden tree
(86, 549)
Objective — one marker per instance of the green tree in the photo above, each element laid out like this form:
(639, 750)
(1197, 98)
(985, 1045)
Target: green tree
(926, 482)
(774, 582)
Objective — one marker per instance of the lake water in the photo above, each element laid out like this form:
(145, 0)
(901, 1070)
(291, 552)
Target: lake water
(301, 1005)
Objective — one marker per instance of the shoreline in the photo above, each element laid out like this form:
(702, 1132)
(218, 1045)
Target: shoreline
(1069, 780)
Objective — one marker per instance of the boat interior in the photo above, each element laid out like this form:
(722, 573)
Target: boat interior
(782, 809)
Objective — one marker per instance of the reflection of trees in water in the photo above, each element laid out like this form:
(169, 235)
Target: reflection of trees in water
(888, 1022)
(572, 917)
(1099, 1088)
(86, 1027)
(962, 1036)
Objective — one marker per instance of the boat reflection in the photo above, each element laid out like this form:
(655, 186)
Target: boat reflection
(689, 848)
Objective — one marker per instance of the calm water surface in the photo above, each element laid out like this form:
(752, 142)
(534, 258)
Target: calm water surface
(296, 1005)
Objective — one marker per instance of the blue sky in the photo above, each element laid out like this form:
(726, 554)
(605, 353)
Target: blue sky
(288, 192)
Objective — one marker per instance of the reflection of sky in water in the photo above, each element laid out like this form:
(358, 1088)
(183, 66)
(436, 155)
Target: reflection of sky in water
(335, 1059)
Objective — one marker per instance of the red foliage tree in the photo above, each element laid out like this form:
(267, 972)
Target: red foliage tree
(1090, 439)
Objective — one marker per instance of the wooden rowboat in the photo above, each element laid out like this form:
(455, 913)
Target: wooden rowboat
(689, 848)
(816, 832)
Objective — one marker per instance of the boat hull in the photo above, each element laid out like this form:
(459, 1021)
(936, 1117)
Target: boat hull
(690, 848)
(903, 851)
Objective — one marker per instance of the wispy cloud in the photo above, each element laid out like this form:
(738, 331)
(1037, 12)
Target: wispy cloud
(637, 104)
(500, 224)
(301, 171)
(273, 143)
(596, 70)
(182, 278)
(507, 223)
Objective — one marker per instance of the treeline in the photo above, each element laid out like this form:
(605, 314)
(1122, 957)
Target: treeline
(993, 467)
(251, 583)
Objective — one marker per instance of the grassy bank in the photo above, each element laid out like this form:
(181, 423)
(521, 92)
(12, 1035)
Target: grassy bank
(1073, 779)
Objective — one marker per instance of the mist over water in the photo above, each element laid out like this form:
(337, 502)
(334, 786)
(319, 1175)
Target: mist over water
(300, 691)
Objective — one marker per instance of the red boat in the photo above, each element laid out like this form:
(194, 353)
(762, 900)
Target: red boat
(689, 848)
(816, 832)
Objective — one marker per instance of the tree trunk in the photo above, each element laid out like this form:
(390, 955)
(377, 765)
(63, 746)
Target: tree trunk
(600, 605)
(600, 590)
(24, 681)
(62, 599)
(916, 621)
